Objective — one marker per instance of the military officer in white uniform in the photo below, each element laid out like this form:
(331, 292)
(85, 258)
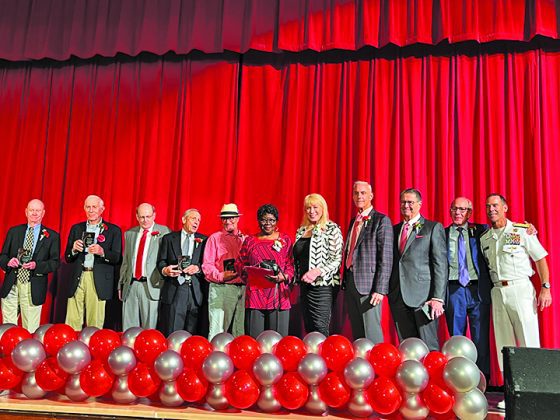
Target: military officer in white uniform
(509, 249)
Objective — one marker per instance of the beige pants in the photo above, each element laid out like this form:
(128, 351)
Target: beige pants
(20, 295)
(85, 295)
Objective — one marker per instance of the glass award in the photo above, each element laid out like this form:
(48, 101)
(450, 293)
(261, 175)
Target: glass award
(229, 264)
(23, 256)
(88, 238)
(183, 262)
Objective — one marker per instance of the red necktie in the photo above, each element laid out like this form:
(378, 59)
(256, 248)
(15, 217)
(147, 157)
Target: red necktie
(404, 237)
(353, 240)
(140, 255)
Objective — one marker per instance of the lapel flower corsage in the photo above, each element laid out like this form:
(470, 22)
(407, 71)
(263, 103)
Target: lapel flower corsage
(278, 244)
(44, 234)
(155, 232)
(472, 228)
(102, 228)
(365, 220)
(100, 239)
(418, 226)
(197, 242)
(317, 230)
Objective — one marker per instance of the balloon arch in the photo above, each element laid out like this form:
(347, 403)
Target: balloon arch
(270, 373)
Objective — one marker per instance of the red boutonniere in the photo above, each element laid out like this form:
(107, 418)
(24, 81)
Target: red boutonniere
(197, 241)
(100, 239)
(103, 227)
(44, 234)
(365, 219)
(155, 232)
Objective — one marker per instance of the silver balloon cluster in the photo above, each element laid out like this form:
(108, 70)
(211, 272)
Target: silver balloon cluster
(122, 361)
(217, 368)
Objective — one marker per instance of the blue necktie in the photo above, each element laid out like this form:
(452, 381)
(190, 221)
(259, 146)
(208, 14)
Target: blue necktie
(462, 259)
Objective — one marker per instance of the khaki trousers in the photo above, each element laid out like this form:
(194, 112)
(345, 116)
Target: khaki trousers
(85, 295)
(20, 296)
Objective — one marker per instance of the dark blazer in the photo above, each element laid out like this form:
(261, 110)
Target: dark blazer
(169, 253)
(103, 267)
(46, 257)
(373, 255)
(422, 270)
(475, 231)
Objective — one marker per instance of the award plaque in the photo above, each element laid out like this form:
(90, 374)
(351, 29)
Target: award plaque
(183, 262)
(88, 238)
(229, 264)
(23, 256)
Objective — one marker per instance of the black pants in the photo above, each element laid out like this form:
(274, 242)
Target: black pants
(181, 314)
(259, 320)
(316, 302)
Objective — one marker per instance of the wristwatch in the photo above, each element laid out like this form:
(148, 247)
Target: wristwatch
(546, 285)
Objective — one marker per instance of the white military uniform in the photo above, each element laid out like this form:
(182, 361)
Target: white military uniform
(509, 252)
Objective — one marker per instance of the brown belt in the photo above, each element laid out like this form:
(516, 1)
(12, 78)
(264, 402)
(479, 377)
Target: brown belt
(87, 268)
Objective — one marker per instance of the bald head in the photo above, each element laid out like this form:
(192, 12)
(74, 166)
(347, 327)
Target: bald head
(460, 210)
(94, 208)
(35, 211)
(146, 215)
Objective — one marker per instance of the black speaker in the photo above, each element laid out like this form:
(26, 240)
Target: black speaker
(532, 383)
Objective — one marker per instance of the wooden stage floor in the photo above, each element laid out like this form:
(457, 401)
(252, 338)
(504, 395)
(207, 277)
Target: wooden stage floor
(13, 407)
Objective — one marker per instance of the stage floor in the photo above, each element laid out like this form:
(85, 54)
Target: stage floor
(14, 407)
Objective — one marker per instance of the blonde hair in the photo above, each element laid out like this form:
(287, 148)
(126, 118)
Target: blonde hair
(315, 199)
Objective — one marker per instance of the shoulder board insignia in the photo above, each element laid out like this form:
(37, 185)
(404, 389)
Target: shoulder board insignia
(522, 225)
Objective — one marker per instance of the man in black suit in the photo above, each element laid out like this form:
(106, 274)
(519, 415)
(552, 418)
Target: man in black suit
(419, 279)
(94, 265)
(31, 251)
(469, 284)
(179, 262)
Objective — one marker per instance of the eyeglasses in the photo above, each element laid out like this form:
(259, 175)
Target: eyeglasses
(408, 203)
(460, 209)
(267, 221)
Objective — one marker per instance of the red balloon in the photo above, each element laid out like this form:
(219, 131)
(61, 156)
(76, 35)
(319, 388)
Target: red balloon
(11, 338)
(143, 381)
(102, 343)
(194, 350)
(49, 375)
(337, 351)
(291, 391)
(333, 390)
(243, 351)
(242, 391)
(149, 344)
(385, 359)
(10, 376)
(290, 350)
(437, 399)
(96, 379)
(191, 387)
(435, 363)
(384, 396)
(57, 336)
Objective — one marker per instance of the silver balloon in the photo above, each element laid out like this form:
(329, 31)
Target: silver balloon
(28, 354)
(315, 405)
(73, 390)
(216, 397)
(169, 396)
(313, 342)
(176, 339)
(217, 367)
(482, 383)
(461, 374)
(312, 368)
(413, 408)
(129, 336)
(120, 392)
(30, 388)
(73, 357)
(221, 341)
(121, 360)
(359, 373)
(412, 376)
(459, 345)
(169, 365)
(267, 369)
(358, 405)
(471, 405)
(86, 333)
(39, 333)
(267, 340)
(362, 347)
(413, 348)
(267, 401)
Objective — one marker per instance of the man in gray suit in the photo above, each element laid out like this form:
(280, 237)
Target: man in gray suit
(140, 281)
(419, 278)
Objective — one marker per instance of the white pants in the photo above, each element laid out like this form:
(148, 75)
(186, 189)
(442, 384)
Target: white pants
(20, 295)
(514, 312)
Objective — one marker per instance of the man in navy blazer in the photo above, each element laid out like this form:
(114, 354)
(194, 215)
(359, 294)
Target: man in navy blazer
(419, 279)
(469, 283)
(182, 293)
(93, 267)
(367, 265)
(25, 283)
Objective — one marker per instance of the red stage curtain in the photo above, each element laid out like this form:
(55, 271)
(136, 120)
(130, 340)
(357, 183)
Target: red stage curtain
(60, 29)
